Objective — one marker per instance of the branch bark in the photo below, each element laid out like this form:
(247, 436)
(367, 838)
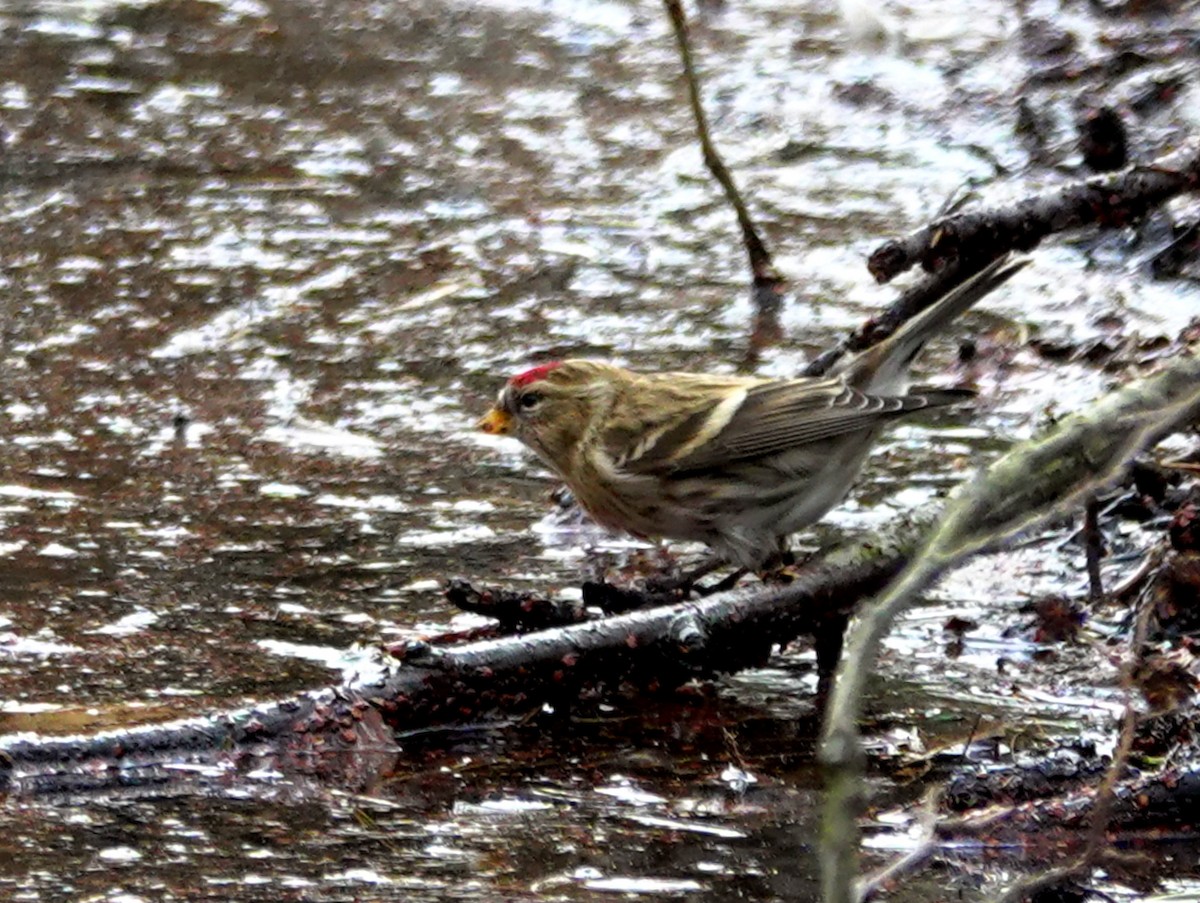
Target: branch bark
(1110, 201)
(347, 734)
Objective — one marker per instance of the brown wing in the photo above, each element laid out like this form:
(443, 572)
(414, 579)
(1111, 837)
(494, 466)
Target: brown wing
(775, 417)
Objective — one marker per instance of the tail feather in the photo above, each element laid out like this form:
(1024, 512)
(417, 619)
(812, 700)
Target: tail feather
(883, 368)
(937, 397)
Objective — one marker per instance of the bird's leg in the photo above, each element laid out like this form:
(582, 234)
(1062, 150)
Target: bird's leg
(777, 562)
(727, 582)
(665, 587)
(781, 558)
(687, 581)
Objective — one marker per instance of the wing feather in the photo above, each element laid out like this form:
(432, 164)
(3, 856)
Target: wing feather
(775, 417)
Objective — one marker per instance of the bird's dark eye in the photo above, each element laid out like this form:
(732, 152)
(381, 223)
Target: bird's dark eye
(529, 401)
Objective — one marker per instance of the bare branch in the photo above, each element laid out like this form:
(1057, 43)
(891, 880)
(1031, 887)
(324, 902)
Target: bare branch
(1111, 201)
(760, 258)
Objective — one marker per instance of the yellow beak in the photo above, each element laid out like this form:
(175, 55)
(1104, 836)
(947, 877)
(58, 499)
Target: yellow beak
(496, 422)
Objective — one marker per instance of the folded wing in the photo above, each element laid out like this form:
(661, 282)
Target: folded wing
(772, 418)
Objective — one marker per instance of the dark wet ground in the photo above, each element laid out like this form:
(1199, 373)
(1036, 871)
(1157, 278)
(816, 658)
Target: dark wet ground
(261, 267)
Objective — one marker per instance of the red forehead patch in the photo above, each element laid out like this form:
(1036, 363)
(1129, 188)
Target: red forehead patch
(533, 374)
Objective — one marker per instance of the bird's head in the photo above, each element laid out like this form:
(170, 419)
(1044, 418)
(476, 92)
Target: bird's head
(552, 407)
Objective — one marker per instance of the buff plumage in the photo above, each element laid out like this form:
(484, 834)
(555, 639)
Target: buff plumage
(736, 462)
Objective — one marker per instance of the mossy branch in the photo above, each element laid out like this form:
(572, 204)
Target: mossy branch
(1031, 484)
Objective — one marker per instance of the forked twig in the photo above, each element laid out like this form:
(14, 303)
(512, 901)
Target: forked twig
(926, 846)
(1095, 847)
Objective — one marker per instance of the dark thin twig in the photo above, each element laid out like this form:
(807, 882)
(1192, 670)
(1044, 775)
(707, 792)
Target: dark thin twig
(1106, 793)
(760, 258)
(768, 284)
(1094, 544)
(971, 737)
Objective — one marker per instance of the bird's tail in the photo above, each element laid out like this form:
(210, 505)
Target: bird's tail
(883, 369)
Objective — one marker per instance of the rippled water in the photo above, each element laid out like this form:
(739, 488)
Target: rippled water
(262, 266)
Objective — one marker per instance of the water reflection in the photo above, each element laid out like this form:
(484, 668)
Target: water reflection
(261, 269)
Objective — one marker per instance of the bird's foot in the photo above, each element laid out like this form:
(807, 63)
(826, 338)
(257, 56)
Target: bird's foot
(688, 581)
(778, 568)
(729, 581)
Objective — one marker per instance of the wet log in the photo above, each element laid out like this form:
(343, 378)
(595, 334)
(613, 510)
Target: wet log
(517, 612)
(1109, 201)
(351, 734)
(1163, 804)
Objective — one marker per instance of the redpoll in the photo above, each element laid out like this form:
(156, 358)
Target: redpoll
(736, 462)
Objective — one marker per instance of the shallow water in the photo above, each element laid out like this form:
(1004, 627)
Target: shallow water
(261, 269)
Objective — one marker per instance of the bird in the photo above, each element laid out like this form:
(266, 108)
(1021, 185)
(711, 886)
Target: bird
(735, 462)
